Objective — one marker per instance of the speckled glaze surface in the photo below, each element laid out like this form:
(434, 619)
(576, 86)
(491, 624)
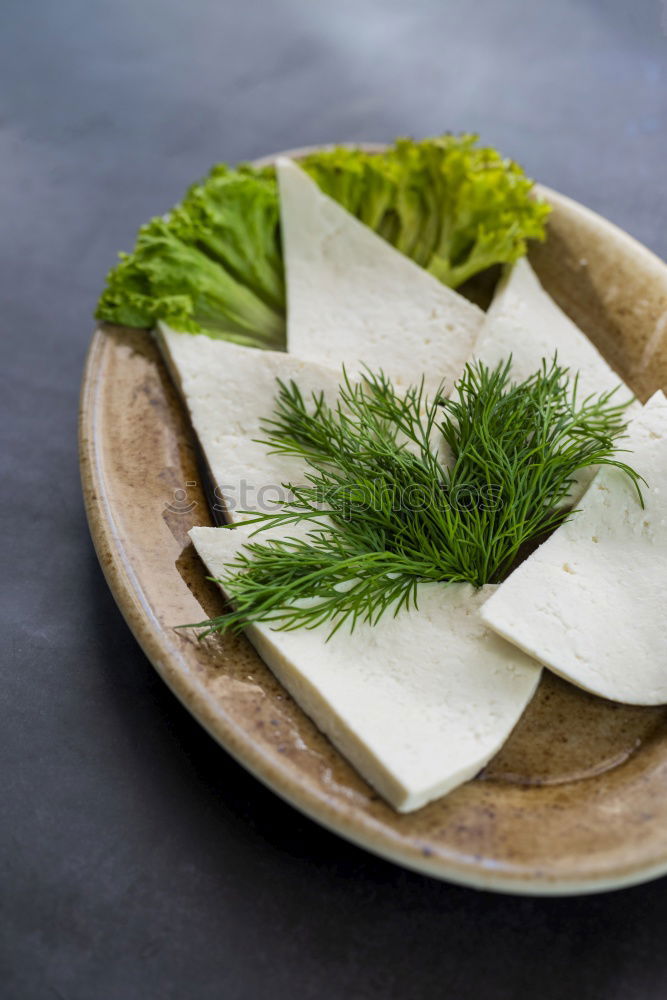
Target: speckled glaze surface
(575, 802)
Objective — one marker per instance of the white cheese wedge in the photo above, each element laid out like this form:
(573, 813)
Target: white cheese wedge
(524, 321)
(590, 602)
(229, 390)
(353, 299)
(418, 703)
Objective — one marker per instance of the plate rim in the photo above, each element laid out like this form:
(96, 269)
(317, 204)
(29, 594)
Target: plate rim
(153, 639)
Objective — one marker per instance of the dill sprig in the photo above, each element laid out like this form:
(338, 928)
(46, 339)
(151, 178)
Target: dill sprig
(400, 489)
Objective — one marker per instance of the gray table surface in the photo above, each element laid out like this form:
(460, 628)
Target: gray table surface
(138, 860)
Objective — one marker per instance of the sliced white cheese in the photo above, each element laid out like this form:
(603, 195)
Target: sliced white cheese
(229, 390)
(590, 602)
(524, 321)
(418, 703)
(353, 299)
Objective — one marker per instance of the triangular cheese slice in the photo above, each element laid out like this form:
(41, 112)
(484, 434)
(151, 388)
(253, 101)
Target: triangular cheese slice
(590, 602)
(353, 299)
(229, 390)
(524, 321)
(417, 703)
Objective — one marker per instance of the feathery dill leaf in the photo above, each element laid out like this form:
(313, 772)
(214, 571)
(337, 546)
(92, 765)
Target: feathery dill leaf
(400, 489)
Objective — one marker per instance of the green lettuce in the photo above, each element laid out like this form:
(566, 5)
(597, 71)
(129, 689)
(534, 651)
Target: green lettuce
(214, 263)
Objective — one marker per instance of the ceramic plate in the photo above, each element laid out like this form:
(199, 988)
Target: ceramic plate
(576, 801)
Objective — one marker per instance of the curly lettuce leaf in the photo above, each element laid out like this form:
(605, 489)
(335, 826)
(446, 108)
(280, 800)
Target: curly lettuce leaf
(485, 211)
(175, 281)
(214, 263)
(234, 217)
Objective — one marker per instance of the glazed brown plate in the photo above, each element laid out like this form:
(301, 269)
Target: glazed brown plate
(575, 802)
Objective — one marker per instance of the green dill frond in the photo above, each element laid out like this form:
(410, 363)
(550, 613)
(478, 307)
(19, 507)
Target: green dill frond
(400, 489)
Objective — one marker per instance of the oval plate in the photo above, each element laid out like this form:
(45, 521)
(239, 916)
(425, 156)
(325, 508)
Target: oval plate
(576, 800)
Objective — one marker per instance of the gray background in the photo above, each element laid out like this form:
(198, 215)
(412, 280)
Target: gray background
(138, 860)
